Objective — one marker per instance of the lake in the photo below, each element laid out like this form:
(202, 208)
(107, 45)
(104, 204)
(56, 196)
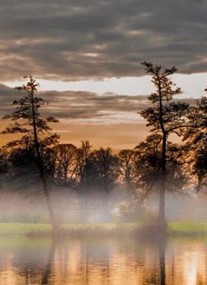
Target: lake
(91, 261)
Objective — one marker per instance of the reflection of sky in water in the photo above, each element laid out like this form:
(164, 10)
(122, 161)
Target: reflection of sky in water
(193, 264)
(93, 262)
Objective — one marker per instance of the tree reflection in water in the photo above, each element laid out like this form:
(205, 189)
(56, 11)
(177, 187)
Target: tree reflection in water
(79, 261)
(48, 268)
(161, 253)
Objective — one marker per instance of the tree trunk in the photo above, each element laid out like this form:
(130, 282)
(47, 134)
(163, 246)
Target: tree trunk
(162, 218)
(52, 216)
(46, 191)
(42, 174)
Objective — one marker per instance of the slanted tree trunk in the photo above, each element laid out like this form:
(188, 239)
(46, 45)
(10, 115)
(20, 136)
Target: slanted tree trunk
(52, 216)
(30, 124)
(42, 174)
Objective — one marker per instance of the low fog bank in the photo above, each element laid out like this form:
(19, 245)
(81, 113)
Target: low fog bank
(117, 206)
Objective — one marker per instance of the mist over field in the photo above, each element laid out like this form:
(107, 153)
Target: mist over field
(30, 207)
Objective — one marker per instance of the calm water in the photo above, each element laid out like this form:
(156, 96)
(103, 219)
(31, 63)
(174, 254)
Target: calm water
(103, 262)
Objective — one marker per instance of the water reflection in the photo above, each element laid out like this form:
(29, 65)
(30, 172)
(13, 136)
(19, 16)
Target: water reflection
(48, 267)
(189, 264)
(103, 262)
(161, 251)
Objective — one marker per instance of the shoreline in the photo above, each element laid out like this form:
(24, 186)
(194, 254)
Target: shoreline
(103, 230)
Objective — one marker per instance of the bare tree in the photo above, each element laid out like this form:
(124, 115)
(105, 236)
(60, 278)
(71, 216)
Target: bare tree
(65, 156)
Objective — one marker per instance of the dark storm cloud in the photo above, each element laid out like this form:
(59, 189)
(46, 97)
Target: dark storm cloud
(81, 106)
(7, 96)
(86, 105)
(102, 38)
(76, 105)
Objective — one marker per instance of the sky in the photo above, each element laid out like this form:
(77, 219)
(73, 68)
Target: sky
(86, 56)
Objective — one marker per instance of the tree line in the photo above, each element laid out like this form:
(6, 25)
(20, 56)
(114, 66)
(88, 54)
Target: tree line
(157, 164)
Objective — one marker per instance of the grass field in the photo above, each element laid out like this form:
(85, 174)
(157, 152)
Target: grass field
(69, 229)
(104, 229)
(23, 228)
(187, 228)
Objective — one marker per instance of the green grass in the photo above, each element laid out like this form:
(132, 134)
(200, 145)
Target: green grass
(188, 228)
(101, 229)
(23, 228)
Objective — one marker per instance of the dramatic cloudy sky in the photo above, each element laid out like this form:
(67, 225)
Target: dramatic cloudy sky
(89, 52)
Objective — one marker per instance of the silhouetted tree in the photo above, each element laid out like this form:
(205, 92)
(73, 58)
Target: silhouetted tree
(127, 158)
(166, 117)
(196, 142)
(65, 156)
(82, 176)
(128, 173)
(46, 149)
(35, 133)
(148, 166)
(104, 173)
(105, 169)
(4, 166)
(83, 154)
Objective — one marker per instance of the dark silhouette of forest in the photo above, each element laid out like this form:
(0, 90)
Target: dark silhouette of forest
(36, 163)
